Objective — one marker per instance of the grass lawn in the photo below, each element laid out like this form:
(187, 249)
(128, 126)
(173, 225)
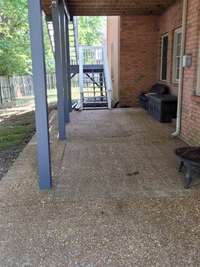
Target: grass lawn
(16, 130)
(12, 136)
(51, 98)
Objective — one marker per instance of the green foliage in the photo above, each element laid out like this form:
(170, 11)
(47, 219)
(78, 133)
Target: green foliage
(15, 54)
(49, 57)
(91, 30)
(14, 44)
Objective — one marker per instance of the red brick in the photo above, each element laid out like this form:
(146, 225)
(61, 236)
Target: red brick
(190, 130)
(140, 46)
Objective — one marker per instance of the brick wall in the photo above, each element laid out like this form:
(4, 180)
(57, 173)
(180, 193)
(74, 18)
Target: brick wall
(138, 50)
(190, 124)
(169, 21)
(140, 60)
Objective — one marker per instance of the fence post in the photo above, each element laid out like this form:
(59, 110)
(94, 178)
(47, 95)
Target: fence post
(11, 88)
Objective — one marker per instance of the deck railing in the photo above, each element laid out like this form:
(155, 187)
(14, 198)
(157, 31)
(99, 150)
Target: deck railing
(76, 42)
(17, 87)
(92, 55)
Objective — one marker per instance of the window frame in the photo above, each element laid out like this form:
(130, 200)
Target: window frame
(161, 57)
(175, 56)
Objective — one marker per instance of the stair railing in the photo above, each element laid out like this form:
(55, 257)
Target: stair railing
(108, 80)
(50, 31)
(81, 77)
(75, 26)
(92, 55)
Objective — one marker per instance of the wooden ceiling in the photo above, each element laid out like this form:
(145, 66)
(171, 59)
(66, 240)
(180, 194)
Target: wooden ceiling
(112, 7)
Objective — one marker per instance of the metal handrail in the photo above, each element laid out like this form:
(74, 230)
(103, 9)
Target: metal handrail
(75, 25)
(108, 80)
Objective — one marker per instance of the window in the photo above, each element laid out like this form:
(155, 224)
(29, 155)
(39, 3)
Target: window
(164, 53)
(177, 55)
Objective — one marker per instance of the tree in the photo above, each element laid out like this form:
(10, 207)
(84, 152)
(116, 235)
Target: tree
(15, 54)
(91, 30)
(14, 44)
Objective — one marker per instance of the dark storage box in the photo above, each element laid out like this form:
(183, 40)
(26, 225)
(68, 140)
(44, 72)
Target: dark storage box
(157, 88)
(163, 107)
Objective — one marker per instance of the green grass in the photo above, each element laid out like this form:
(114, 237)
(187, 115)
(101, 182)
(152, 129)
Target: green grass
(13, 136)
(52, 97)
(19, 132)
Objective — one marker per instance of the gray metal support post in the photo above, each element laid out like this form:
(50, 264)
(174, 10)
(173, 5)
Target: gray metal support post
(68, 62)
(40, 88)
(64, 61)
(59, 69)
(81, 76)
(101, 82)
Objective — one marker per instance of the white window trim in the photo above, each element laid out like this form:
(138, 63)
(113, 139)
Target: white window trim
(174, 70)
(161, 57)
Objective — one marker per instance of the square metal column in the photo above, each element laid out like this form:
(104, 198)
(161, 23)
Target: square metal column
(67, 47)
(64, 56)
(60, 81)
(40, 89)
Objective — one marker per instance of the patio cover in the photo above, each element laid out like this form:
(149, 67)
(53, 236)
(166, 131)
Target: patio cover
(112, 7)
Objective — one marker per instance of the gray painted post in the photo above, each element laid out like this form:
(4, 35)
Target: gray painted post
(81, 76)
(39, 81)
(68, 62)
(64, 61)
(59, 70)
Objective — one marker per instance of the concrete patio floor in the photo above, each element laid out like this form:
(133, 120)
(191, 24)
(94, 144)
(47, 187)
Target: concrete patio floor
(117, 198)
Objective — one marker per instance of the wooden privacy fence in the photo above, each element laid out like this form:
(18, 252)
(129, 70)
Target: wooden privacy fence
(17, 87)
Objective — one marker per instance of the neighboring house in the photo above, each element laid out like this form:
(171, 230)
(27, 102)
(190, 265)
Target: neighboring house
(146, 49)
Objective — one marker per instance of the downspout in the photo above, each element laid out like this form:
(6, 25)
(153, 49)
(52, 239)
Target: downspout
(180, 88)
